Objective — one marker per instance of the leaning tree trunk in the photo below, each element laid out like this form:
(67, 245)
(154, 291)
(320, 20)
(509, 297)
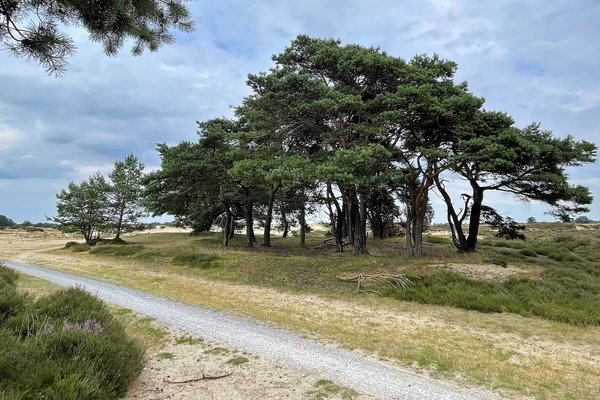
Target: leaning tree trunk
(458, 237)
(267, 232)
(360, 229)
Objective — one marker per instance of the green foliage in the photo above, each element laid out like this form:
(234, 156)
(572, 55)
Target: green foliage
(583, 220)
(125, 194)
(83, 208)
(506, 227)
(5, 221)
(63, 346)
(148, 23)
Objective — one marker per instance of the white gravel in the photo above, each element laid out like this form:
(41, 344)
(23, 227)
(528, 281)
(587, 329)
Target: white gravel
(282, 346)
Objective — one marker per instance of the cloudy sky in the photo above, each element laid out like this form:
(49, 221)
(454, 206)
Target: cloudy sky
(536, 60)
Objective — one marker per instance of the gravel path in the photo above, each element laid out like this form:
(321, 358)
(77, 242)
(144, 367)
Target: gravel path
(282, 346)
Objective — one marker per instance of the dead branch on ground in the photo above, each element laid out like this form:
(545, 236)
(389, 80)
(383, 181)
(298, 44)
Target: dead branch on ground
(378, 281)
(203, 378)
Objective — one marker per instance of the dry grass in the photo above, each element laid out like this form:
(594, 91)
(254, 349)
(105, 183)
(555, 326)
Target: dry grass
(296, 288)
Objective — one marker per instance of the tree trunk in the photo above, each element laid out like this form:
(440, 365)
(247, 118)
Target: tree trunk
(360, 230)
(284, 222)
(458, 236)
(416, 220)
(267, 232)
(232, 227)
(227, 228)
(250, 239)
(377, 224)
(474, 217)
(337, 220)
(302, 221)
(120, 222)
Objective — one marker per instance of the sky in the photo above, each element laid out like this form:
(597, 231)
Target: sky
(536, 60)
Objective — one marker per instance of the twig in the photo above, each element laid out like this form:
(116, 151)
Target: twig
(203, 378)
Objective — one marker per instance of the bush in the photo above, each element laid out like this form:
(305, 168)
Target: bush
(64, 346)
(80, 247)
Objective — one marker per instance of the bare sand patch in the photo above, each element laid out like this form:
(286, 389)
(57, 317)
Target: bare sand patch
(486, 271)
(251, 376)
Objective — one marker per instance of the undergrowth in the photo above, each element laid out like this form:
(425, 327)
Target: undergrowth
(563, 282)
(62, 346)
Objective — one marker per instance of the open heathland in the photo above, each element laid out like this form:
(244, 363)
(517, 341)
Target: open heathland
(472, 333)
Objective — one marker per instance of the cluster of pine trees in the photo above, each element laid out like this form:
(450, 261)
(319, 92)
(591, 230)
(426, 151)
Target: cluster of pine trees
(365, 136)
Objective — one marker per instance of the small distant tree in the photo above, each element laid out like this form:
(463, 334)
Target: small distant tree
(5, 221)
(531, 220)
(506, 227)
(126, 194)
(83, 208)
(583, 220)
(27, 223)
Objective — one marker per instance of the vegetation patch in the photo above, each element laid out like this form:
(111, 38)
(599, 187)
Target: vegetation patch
(196, 260)
(217, 350)
(165, 356)
(65, 345)
(238, 360)
(118, 250)
(325, 389)
(80, 247)
(188, 340)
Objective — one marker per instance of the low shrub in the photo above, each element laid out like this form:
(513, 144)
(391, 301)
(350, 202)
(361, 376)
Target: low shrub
(80, 247)
(563, 294)
(64, 346)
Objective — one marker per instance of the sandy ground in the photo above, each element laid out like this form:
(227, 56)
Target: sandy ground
(255, 378)
(252, 378)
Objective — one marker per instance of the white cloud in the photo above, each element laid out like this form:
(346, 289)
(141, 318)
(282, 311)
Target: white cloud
(104, 108)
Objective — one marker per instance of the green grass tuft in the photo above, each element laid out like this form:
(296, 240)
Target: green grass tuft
(325, 389)
(238, 360)
(188, 340)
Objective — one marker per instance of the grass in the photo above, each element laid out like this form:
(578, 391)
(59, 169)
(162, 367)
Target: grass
(325, 389)
(539, 356)
(62, 345)
(165, 356)
(217, 350)
(188, 340)
(567, 291)
(237, 360)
